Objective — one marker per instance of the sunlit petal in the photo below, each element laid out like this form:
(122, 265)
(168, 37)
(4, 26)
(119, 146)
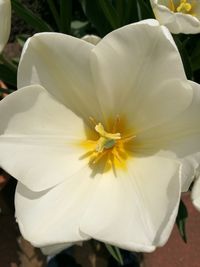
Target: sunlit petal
(125, 210)
(60, 63)
(38, 138)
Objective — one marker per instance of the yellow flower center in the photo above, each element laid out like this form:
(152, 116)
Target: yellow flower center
(184, 6)
(108, 150)
(106, 140)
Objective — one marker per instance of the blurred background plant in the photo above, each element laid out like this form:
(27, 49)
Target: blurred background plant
(79, 18)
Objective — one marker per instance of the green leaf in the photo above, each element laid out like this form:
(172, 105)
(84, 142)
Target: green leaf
(115, 252)
(21, 39)
(110, 13)
(195, 57)
(96, 16)
(65, 15)
(181, 220)
(120, 9)
(131, 12)
(54, 12)
(185, 57)
(6, 91)
(144, 10)
(8, 75)
(27, 15)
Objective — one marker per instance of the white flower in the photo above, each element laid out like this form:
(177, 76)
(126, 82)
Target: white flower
(91, 38)
(179, 16)
(97, 137)
(196, 193)
(5, 22)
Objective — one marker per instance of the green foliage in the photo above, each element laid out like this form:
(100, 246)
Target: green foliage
(65, 15)
(96, 16)
(8, 74)
(109, 15)
(115, 252)
(181, 220)
(32, 19)
(184, 56)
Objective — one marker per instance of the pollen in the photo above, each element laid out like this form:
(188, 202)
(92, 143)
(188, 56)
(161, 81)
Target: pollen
(184, 6)
(108, 149)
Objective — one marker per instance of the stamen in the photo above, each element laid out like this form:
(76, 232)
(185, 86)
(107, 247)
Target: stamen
(93, 121)
(171, 5)
(97, 157)
(128, 138)
(116, 155)
(109, 151)
(106, 140)
(184, 7)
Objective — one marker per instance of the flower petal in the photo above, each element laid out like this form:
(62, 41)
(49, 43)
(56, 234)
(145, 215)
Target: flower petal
(196, 193)
(52, 217)
(176, 22)
(138, 64)
(180, 137)
(91, 38)
(39, 138)
(135, 210)
(5, 22)
(60, 63)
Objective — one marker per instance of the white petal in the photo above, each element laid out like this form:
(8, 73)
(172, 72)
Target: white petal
(180, 136)
(5, 22)
(185, 23)
(52, 217)
(163, 102)
(135, 68)
(91, 38)
(60, 63)
(176, 22)
(137, 210)
(196, 193)
(39, 137)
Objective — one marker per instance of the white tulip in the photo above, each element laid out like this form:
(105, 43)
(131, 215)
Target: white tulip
(97, 138)
(179, 16)
(196, 194)
(91, 38)
(5, 22)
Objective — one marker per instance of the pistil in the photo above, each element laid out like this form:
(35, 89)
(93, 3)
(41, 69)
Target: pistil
(111, 149)
(106, 140)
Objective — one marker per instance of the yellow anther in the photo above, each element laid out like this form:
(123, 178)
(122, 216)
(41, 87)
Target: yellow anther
(184, 7)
